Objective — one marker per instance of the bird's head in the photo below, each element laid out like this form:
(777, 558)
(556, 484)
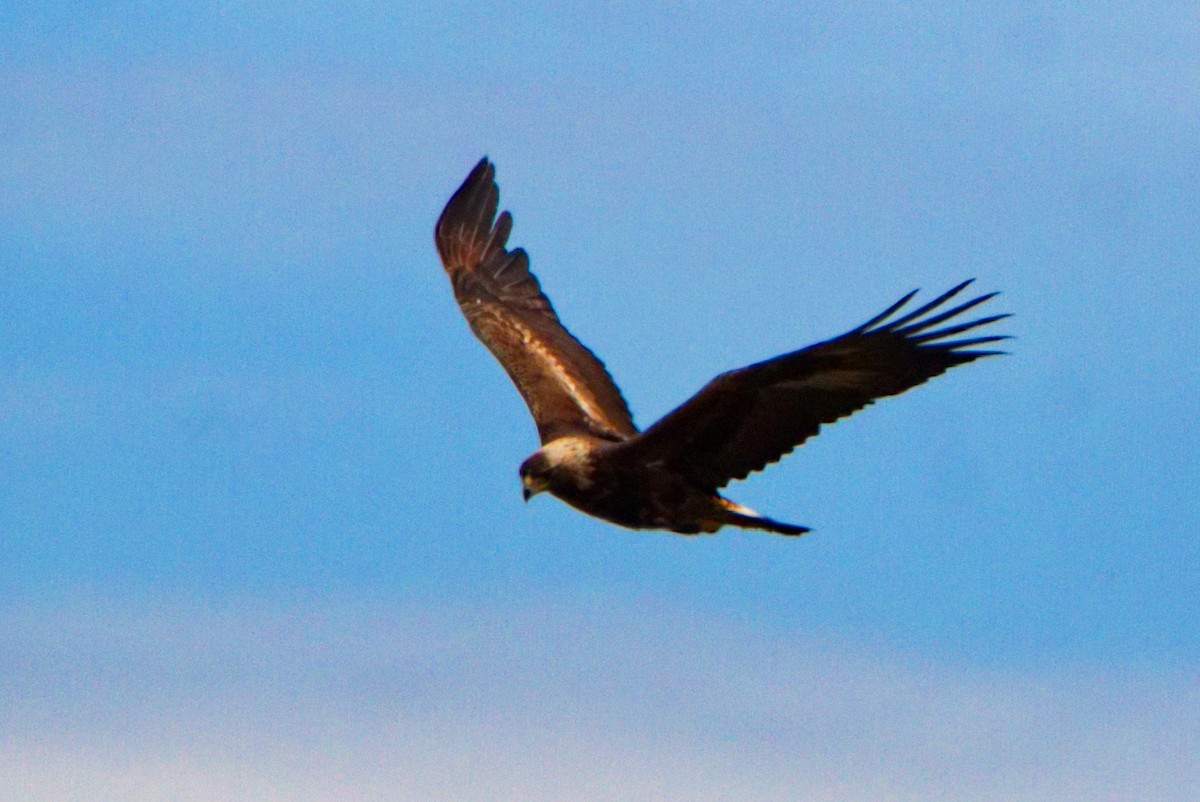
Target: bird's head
(535, 475)
(563, 462)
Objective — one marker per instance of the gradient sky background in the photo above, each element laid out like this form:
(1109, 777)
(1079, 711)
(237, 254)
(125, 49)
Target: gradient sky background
(261, 533)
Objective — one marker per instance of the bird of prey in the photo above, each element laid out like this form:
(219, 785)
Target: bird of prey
(668, 476)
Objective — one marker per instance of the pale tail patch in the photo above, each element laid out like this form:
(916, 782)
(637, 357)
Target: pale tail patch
(733, 506)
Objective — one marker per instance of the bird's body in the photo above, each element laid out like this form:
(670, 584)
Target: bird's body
(668, 477)
(609, 480)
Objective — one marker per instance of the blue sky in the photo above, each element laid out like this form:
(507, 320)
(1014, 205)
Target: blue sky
(261, 526)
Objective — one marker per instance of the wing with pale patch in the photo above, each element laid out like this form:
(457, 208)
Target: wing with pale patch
(747, 418)
(566, 387)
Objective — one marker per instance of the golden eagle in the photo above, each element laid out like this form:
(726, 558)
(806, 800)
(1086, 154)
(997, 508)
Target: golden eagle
(667, 477)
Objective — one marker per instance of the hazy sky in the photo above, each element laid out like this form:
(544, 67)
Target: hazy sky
(261, 528)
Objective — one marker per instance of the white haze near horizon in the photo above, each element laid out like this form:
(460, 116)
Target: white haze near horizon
(567, 700)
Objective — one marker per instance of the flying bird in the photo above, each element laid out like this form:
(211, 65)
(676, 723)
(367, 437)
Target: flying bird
(669, 476)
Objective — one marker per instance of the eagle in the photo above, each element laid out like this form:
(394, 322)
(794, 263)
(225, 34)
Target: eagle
(594, 458)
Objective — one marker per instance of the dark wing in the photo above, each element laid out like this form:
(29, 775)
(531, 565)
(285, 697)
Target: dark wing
(746, 418)
(565, 386)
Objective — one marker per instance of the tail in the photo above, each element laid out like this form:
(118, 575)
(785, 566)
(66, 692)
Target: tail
(737, 515)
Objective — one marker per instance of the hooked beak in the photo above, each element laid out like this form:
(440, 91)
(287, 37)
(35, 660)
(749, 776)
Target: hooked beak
(530, 487)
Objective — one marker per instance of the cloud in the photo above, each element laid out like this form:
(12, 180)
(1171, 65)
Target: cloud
(584, 699)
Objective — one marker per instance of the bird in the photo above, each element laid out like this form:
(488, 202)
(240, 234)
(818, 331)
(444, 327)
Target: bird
(669, 476)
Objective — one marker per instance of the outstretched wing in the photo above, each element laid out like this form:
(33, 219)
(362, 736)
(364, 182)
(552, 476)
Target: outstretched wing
(565, 386)
(746, 418)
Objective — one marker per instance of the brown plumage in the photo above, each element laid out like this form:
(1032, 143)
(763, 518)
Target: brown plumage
(594, 458)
